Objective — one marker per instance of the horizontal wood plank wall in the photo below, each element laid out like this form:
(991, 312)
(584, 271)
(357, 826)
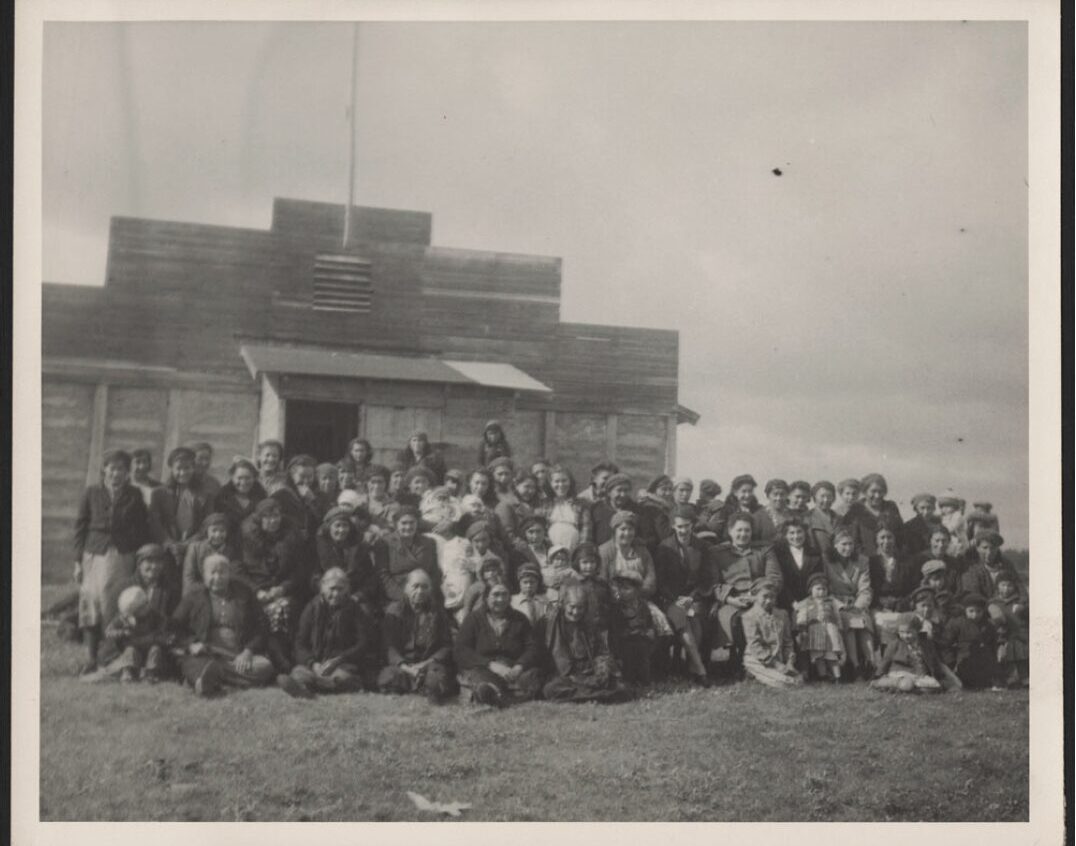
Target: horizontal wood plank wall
(580, 443)
(308, 219)
(640, 446)
(66, 423)
(227, 421)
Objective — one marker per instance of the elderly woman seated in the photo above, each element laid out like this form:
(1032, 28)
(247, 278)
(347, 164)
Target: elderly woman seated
(221, 632)
(584, 669)
(335, 644)
(498, 652)
(418, 643)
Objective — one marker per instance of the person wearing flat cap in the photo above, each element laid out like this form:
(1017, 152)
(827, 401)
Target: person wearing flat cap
(111, 525)
(871, 513)
(982, 576)
(918, 529)
(769, 655)
(972, 644)
(938, 550)
(735, 565)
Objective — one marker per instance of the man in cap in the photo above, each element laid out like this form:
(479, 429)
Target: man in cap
(616, 496)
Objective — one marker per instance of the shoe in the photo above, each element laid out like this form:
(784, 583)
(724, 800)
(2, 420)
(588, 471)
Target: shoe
(127, 675)
(291, 687)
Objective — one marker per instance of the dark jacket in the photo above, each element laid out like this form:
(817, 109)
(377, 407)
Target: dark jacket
(432, 461)
(917, 532)
(682, 572)
(977, 579)
(399, 627)
(966, 638)
(102, 522)
(193, 617)
(734, 571)
(394, 560)
(793, 578)
(169, 510)
(865, 524)
(227, 504)
(602, 511)
(345, 633)
(356, 559)
(151, 629)
(272, 561)
(890, 594)
(477, 644)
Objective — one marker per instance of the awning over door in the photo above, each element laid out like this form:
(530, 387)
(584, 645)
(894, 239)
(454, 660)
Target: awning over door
(313, 361)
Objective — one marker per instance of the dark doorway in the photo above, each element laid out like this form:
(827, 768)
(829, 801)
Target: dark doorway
(320, 429)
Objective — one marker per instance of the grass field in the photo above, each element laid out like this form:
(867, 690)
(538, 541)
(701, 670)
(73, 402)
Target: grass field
(737, 752)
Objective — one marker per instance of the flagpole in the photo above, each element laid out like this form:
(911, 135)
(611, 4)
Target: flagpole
(351, 133)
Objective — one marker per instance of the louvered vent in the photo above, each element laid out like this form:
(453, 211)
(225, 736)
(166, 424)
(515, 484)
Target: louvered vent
(342, 283)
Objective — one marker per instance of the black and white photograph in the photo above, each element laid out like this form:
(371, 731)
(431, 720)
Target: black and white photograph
(475, 417)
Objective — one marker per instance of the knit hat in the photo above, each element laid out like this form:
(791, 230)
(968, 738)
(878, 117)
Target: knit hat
(623, 516)
(493, 424)
(924, 592)
(616, 479)
(585, 550)
(823, 486)
(325, 469)
(932, 566)
(533, 520)
(924, 497)
(119, 456)
(816, 578)
(418, 470)
(337, 512)
(150, 550)
(681, 481)
(241, 463)
(376, 470)
(743, 479)
(658, 482)
(491, 562)
(843, 532)
(404, 511)
(709, 488)
(334, 575)
(684, 512)
(990, 536)
(349, 499)
(909, 620)
(455, 474)
(132, 599)
(529, 569)
(477, 528)
(983, 506)
(179, 454)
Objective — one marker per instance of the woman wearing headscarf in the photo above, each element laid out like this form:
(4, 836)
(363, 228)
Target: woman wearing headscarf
(952, 517)
(822, 520)
(111, 525)
(335, 647)
(497, 652)
(583, 667)
(917, 530)
(494, 444)
(568, 516)
(272, 565)
(868, 515)
(403, 551)
(325, 477)
(419, 452)
(418, 643)
(340, 546)
(848, 572)
(239, 496)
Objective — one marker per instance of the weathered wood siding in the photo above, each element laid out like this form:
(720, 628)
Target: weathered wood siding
(580, 442)
(640, 446)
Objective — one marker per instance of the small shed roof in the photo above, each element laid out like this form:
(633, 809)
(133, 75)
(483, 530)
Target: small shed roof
(316, 361)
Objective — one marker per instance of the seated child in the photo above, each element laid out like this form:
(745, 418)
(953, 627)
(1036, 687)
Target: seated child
(152, 563)
(971, 645)
(768, 654)
(1009, 613)
(633, 634)
(558, 568)
(531, 599)
(599, 596)
(335, 646)
(910, 663)
(935, 575)
(924, 605)
(135, 641)
(818, 623)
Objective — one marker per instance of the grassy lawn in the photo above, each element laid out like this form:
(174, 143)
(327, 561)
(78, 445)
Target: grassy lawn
(737, 752)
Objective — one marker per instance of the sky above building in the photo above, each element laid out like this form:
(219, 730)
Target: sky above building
(833, 215)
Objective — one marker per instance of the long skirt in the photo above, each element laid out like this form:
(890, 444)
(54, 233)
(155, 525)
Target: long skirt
(586, 687)
(103, 578)
(777, 677)
(527, 686)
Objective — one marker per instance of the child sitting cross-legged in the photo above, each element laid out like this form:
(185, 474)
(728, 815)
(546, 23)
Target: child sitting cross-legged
(910, 663)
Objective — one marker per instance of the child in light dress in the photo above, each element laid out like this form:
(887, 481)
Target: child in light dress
(818, 622)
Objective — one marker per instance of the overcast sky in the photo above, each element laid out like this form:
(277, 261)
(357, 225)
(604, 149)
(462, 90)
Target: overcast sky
(864, 311)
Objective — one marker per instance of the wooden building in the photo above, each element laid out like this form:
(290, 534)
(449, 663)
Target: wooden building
(236, 335)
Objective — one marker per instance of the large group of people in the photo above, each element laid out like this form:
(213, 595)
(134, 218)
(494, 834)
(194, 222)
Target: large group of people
(506, 583)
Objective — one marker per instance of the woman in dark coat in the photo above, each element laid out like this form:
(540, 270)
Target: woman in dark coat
(797, 561)
(272, 565)
(498, 652)
(871, 513)
(583, 667)
(893, 578)
(418, 643)
(359, 456)
(220, 627)
(683, 588)
(419, 452)
(112, 524)
(917, 531)
(240, 495)
(938, 550)
(185, 505)
(401, 552)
